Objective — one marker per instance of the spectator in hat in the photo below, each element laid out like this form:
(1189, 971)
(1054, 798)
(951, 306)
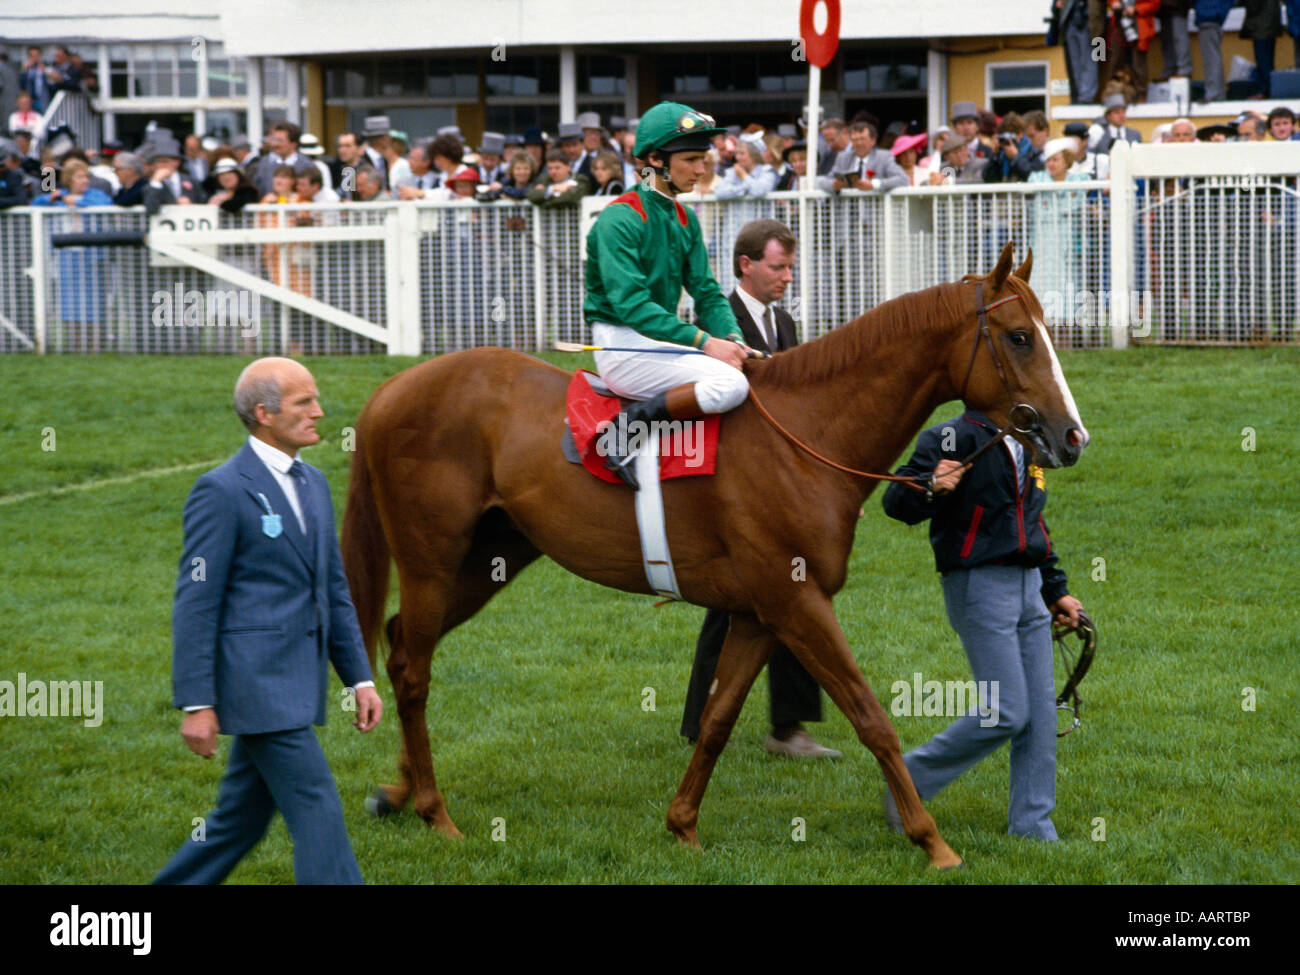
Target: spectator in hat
(1263, 26)
(906, 150)
(311, 147)
(242, 152)
(1087, 163)
(491, 165)
(23, 117)
(375, 130)
(1110, 128)
(1281, 125)
(954, 163)
(1218, 132)
(536, 143)
(559, 187)
(750, 177)
(864, 167)
(966, 123)
(234, 189)
(282, 150)
(165, 157)
(594, 140)
(394, 151)
(607, 172)
(1210, 15)
(794, 167)
(836, 135)
(1070, 20)
(460, 186)
(1057, 235)
(569, 140)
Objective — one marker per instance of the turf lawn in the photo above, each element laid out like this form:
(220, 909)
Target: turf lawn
(536, 707)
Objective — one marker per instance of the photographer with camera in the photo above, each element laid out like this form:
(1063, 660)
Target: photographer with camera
(1130, 27)
(1018, 154)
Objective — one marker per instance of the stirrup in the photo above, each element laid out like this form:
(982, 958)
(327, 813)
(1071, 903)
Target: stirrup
(625, 469)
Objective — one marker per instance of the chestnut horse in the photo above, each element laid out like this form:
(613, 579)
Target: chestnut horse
(459, 464)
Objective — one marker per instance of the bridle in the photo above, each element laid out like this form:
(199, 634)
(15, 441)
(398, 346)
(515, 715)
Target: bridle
(927, 484)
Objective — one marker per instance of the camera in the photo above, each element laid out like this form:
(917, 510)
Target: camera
(1130, 28)
(1006, 138)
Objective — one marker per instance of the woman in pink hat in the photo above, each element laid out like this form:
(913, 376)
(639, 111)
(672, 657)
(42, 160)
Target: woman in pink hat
(906, 148)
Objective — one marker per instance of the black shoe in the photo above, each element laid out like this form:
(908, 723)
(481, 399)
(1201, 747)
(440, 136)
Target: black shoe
(640, 412)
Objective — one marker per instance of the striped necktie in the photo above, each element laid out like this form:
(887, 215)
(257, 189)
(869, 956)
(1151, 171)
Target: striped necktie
(769, 328)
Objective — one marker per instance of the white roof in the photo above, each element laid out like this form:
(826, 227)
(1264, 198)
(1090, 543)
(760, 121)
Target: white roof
(108, 21)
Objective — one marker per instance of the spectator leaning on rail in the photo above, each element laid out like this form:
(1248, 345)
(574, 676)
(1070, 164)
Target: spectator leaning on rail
(234, 191)
(836, 134)
(794, 172)
(283, 139)
(520, 172)
(864, 167)
(421, 179)
(1087, 163)
(343, 168)
(559, 187)
(966, 123)
(1017, 160)
(644, 248)
(750, 176)
(76, 191)
(607, 171)
(369, 185)
(130, 170)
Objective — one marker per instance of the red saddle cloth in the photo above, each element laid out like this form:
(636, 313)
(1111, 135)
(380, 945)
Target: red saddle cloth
(690, 448)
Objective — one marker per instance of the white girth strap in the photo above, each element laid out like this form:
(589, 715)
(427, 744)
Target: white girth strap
(655, 556)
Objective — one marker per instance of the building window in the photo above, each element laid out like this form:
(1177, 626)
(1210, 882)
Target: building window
(601, 76)
(890, 72)
(1016, 86)
(524, 76)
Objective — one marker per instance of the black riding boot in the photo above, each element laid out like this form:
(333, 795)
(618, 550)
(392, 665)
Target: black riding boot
(630, 425)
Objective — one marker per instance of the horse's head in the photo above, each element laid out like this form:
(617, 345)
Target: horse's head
(1014, 363)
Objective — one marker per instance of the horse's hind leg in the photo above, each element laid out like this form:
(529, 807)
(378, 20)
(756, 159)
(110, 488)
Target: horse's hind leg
(746, 649)
(431, 608)
(808, 626)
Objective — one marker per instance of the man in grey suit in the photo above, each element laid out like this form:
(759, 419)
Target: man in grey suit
(282, 141)
(262, 608)
(763, 261)
(864, 167)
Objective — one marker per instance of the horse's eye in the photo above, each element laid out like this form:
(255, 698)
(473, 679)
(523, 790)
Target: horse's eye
(1019, 338)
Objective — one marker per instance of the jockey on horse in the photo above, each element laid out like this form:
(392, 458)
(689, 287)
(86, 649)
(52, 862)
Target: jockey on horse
(644, 248)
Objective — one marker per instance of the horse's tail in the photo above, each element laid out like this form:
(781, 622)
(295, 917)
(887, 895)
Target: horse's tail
(365, 553)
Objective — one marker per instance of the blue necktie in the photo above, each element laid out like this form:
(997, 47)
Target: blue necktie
(299, 474)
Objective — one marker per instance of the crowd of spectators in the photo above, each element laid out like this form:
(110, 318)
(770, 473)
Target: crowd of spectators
(1129, 26)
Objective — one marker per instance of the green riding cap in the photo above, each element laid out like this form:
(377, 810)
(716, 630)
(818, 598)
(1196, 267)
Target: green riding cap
(674, 127)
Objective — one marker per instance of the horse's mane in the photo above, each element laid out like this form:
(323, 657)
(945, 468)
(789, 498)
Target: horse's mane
(908, 317)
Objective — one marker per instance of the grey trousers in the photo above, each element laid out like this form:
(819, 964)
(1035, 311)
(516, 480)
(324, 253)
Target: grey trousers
(1210, 37)
(1006, 631)
(1175, 44)
(1079, 64)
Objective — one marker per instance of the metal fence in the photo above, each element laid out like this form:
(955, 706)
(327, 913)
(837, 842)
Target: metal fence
(1151, 256)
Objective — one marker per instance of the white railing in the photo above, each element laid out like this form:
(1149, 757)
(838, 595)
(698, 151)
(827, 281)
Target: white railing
(1210, 259)
(73, 109)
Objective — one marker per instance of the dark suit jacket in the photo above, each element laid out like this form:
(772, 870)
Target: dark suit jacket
(255, 630)
(787, 336)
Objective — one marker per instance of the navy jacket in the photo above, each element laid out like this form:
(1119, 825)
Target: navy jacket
(256, 624)
(987, 519)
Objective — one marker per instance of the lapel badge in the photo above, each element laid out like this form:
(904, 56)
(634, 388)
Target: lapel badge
(272, 526)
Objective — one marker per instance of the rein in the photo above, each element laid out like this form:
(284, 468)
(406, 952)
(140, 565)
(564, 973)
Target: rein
(1068, 699)
(916, 482)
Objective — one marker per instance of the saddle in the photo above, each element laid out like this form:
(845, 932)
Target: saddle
(687, 448)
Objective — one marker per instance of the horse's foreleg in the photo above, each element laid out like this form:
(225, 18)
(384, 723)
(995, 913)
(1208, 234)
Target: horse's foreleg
(813, 634)
(746, 649)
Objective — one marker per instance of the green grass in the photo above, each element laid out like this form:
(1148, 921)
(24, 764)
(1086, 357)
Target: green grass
(535, 709)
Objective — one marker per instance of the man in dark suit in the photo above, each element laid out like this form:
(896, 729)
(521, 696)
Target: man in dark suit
(763, 261)
(262, 608)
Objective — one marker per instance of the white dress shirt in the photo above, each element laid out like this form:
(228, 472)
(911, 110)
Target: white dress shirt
(758, 312)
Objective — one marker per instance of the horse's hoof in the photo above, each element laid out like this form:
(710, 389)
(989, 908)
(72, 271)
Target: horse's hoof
(377, 804)
(959, 865)
(448, 829)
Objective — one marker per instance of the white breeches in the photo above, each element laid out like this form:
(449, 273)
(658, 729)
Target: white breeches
(718, 386)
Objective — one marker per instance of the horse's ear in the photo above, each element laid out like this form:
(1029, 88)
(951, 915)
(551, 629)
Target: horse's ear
(1003, 269)
(1022, 272)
